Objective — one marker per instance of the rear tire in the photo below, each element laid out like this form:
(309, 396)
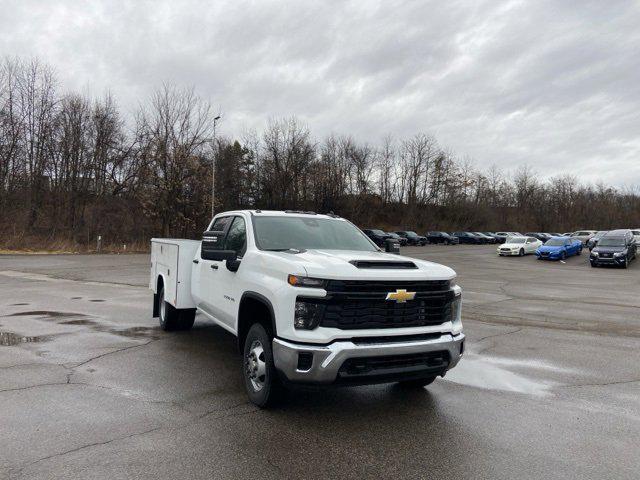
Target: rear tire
(579, 252)
(171, 318)
(261, 381)
(423, 382)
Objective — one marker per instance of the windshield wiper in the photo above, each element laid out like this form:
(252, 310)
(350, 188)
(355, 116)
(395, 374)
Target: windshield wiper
(289, 250)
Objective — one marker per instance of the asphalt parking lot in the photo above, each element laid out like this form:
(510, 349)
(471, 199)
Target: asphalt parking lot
(90, 387)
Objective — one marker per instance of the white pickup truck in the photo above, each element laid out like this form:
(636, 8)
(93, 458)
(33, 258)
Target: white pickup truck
(311, 300)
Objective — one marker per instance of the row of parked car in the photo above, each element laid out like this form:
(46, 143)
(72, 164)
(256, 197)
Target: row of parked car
(408, 237)
(615, 247)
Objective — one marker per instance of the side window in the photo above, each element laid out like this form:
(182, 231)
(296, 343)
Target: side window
(220, 224)
(237, 236)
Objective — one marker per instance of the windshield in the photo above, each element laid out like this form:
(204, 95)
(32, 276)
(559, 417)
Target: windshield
(412, 234)
(516, 240)
(300, 233)
(611, 242)
(555, 242)
(378, 232)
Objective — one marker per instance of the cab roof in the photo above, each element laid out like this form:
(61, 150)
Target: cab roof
(282, 213)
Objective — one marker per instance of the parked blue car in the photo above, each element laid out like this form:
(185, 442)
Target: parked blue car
(559, 248)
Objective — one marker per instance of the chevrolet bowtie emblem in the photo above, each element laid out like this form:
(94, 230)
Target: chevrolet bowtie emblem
(401, 295)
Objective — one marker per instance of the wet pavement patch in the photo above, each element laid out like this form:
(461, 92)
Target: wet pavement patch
(18, 304)
(96, 300)
(76, 298)
(131, 332)
(78, 322)
(45, 313)
(9, 339)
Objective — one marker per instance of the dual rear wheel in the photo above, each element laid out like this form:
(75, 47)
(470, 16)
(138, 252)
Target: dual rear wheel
(171, 318)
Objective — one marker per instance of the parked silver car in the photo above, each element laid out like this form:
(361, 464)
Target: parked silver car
(583, 235)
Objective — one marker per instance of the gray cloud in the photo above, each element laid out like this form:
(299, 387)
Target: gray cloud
(552, 84)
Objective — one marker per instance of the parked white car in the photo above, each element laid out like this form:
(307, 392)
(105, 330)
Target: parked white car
(519, 246)
(636, 235)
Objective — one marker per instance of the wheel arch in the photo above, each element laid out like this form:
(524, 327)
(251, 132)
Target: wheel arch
(254, 308)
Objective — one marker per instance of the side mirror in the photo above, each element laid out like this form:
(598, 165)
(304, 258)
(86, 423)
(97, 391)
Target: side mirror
(212, 247)
(392, 246)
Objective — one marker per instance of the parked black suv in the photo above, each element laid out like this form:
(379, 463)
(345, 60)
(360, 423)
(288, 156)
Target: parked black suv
(468, 237)
(378, 236)
(401, 240)
(442, 237)
(413, 238)
(617, 247)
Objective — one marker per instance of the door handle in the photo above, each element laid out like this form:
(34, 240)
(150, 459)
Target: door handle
(214, 266)
(196, 261)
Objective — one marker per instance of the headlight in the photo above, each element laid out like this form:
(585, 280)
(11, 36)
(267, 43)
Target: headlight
(297, 281)
(619, 254)
(307, 315)
(595, 254)
(456, 315)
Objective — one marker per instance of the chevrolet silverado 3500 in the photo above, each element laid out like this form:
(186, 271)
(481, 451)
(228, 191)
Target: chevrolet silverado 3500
(311, 300)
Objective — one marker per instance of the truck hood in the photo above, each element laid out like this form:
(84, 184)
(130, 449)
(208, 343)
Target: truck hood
(335, 264)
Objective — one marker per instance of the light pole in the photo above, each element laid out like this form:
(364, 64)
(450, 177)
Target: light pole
(213, 168)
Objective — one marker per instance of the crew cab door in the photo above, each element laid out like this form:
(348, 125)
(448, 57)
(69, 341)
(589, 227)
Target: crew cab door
(226, 281)
(204, 276)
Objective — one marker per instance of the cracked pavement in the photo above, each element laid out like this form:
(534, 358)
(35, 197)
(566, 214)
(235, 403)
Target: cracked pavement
(90, 387)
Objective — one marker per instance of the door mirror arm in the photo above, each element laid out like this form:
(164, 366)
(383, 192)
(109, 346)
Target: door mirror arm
(233, 264)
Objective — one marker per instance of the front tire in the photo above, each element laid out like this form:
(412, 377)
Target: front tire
(422, 382)
(261, 381)
(521, 252)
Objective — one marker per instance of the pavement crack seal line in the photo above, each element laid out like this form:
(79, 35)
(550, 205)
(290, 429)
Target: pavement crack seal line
(89, 445)
(224, 411)
(50, 278)
(74, 366)
(604, 384)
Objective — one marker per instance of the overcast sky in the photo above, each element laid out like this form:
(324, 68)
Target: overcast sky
(552, 84)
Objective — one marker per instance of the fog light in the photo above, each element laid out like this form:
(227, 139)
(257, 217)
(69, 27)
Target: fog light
(305, 360)
(307, 315)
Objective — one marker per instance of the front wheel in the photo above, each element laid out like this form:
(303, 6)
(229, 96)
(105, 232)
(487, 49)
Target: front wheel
(594, 264)
(422, 382)
(261, 381)
(579, 252)
(563, 256)
(521, 252)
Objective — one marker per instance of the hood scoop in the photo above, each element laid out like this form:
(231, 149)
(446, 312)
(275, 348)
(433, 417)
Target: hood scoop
(383, 264)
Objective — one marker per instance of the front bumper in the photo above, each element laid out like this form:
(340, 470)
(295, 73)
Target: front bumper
(548, 255)
(600, 260)
(328, 361)
(508, 253)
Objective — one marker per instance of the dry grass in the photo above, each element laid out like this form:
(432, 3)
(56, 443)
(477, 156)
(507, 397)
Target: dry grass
(27, 245)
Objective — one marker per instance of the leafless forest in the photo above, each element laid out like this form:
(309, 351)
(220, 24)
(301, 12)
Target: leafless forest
(73, 167)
